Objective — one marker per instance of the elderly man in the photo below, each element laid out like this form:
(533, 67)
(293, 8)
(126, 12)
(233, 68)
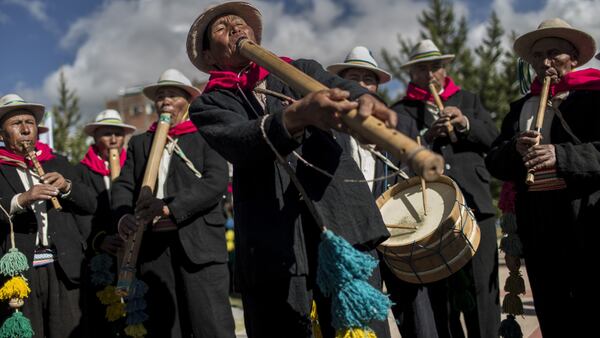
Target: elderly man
(474, 131)
(276, 236)
(51, 239)
(183, 257)
(108, 131)
(557, 214)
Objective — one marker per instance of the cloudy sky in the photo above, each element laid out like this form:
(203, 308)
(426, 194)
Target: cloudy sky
(104, 46)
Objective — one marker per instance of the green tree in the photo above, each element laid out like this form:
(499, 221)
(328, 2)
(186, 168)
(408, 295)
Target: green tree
(69, 138)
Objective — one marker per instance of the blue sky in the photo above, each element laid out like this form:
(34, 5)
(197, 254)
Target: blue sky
(104, 46)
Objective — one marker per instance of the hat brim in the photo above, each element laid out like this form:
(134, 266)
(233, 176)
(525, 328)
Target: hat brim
(337, 68)
(446, 58)
(37, 110)
(42, 129)
(195, 38)
(583, 42)
(90, 128)
(150, 90)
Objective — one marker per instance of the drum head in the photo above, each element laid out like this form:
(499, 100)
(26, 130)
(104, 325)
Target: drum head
(403, 214)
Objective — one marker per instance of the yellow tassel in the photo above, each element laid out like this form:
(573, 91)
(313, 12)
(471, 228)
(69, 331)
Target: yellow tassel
(16, 287)
(115, 311)
(314, 319)
(355, 333)
(108, 296)
(136, 331)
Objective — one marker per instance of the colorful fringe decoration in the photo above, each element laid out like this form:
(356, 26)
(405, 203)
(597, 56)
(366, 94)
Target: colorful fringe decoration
(314, 320)
(13, 264)
(524, 76)
(100, 266)
(342, 274)
(136, 331)
(513, 249)
(355, 333)
(135, 310)
(230, 237)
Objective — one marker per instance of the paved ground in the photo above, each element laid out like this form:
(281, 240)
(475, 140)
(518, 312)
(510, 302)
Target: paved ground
(528, 322)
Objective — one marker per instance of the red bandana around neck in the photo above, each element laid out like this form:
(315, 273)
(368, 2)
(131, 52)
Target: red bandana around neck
(585, 79)
(44, 153)
(96, 164)
(415, 93)
(247, 79)
(185, 127)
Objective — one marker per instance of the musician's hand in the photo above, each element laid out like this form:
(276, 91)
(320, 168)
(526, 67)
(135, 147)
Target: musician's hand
(541, 156)
(457, 118)
(57, 180)
(38, 192)
(127, 225)
(526, 140)
(437, 129)
(369, 105)
(321, 109)
(148, 207)
(111, 244)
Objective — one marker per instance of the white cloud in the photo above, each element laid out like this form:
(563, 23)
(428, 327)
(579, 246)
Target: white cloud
(37, 9)
(4, 18)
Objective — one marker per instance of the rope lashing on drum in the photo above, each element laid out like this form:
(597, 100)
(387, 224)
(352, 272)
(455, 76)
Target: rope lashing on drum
(513, 249)
(342, 271)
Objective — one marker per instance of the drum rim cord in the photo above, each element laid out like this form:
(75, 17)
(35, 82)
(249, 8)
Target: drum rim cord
(408, 260)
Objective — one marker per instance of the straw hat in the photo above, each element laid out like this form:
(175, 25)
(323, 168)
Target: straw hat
(108, 118)
(196, 35)
(12, 102)
(360, 57)
(171, 78)
(556, 28)
(426, 51)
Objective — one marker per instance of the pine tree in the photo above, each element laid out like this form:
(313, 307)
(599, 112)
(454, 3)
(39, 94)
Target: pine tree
(69, 138)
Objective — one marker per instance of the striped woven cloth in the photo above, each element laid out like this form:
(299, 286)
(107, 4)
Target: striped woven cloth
(547, 180)
(43, 256)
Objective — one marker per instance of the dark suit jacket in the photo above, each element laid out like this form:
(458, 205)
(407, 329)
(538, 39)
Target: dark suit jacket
(194, 202)
(270, 218)
(465, 158)
(64, 232)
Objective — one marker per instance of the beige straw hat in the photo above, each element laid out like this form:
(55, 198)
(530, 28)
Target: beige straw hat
(108, 118)
(12, 102)
(171, 78)
(360, 57)
(426, 51)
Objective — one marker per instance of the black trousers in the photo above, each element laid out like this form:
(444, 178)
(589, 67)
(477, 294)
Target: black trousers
(184, 299)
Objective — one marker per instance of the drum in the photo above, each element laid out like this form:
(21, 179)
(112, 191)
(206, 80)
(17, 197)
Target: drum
(425, 248)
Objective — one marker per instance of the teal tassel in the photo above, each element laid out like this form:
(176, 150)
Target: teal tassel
(101, 274)
(101, 262)
(136, 318)
(16, 325)
(508, 223)
(13, 263)
(340, 263)
(102, 278)
(511, 245)
(356, 304)
(138, 289)
(135, 305)
(509, 328)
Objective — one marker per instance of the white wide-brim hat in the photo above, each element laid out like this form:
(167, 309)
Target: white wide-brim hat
(556, 28)
(12, 102)
(108, 118)
(426, 51)
(197, 33)
(171, 78)
(360, 57)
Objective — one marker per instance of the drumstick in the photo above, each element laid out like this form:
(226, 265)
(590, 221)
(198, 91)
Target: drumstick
(423, 186)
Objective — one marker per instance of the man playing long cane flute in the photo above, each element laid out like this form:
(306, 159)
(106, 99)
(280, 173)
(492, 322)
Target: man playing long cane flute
(183, 257)
(557, 216)
(276, 236)
(418, 114)
(51, 240)
(108, 131)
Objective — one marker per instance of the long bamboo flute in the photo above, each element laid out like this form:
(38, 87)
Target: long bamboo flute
(134, 241)
(38, 167)
(114, 163)
(539, 121)
(423, 162)
(438, 102)
(423, 186)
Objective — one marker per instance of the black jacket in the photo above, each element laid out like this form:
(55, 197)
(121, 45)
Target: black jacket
(194, 202)
(65, 233)
(269, 215)
(465, 158)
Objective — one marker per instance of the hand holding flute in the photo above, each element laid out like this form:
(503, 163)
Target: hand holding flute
(52, 183)
(438, 102)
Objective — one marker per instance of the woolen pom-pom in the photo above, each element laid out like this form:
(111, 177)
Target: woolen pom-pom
(16, 287)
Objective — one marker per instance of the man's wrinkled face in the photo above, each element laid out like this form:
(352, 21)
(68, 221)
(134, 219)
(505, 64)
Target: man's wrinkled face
(422, 73)
(172, 100)
(364, 77)
(108, 137)
(223, 34)
(19, 127)
(553, 57)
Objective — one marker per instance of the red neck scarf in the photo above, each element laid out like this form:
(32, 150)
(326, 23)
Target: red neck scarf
(96, 164)
(415, 93)
(185, 127)
(246, 79)
(585, 79)
(44, 153)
